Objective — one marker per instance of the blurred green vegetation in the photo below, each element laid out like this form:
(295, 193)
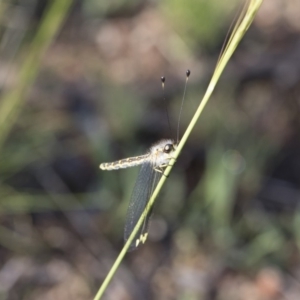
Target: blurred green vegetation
(195, 20)
(11, 103)
(96, 8)
(65, 111)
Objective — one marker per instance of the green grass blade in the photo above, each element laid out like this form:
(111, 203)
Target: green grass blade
(239, 31)
(12, 101)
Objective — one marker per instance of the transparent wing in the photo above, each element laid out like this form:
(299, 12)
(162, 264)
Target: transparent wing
(146, 182)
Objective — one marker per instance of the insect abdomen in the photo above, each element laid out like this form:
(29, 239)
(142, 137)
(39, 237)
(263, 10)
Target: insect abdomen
(124, 163)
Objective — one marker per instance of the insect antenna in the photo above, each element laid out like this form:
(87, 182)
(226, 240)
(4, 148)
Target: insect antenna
(163, 80)
(187, 73)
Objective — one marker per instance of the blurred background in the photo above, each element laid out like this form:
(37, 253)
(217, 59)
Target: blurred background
(80, 85)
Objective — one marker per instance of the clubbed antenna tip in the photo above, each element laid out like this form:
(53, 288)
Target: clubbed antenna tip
(188, 73)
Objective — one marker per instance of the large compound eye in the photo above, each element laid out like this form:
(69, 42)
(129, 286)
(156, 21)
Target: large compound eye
(168, 148)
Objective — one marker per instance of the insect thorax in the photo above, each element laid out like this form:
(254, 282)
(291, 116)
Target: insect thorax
(162, 152)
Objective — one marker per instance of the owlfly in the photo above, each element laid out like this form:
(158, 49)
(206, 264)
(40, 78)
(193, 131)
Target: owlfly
(152, 168)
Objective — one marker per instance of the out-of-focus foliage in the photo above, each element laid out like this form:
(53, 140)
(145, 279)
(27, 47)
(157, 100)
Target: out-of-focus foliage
(227, 223)
(200, 22)
(94, 8)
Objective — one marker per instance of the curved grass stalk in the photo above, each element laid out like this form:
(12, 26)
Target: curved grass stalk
(244, 21)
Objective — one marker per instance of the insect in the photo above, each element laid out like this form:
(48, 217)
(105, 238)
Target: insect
(153, 165)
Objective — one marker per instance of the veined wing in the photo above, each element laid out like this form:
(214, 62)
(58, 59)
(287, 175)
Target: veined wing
(146, 183)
